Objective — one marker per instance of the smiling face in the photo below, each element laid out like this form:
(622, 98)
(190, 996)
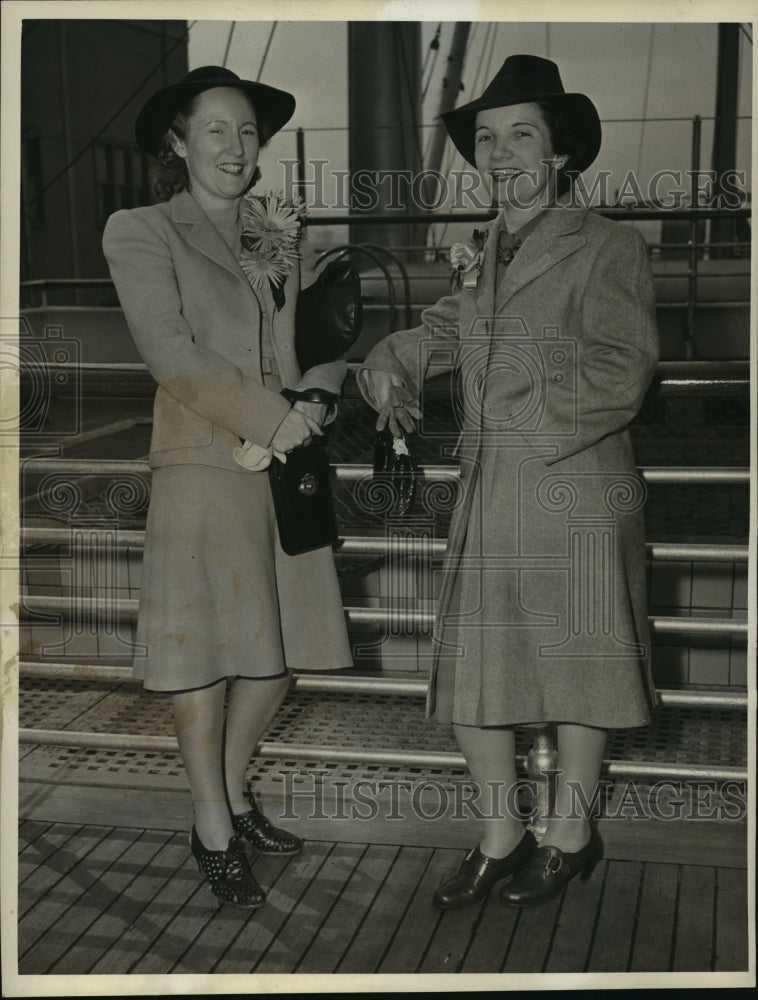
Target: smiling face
(220, 146)
(515, 156)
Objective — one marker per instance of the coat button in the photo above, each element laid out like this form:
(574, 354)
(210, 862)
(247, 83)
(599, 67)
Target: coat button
(286, 347)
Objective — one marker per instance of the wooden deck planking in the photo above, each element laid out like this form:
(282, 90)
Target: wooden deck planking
(214, 940)
(118, 901)
(60, 887)
(693, 947)
(35, 850)
(731, 920)
(372, 939)
(655, 918)
(158, 887)
(617, 917)
(492, 936)
(185, 906)
(266, 924)
(529, 947)
(287, 950)
(575, 926)
(448, 947)
(29, 830)
(419, 920)
(328, 947)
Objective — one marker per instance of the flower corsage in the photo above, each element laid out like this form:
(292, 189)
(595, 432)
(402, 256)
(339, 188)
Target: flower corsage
(466, 261)
(271, 231)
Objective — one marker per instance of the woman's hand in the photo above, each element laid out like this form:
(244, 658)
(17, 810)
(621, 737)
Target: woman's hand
(394, 401)
(297, 428)
(316, 411)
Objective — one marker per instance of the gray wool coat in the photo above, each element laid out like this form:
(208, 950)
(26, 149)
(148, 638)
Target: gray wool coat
(543, 606)
(218, 596)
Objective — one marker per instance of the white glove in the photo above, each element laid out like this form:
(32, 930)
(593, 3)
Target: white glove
(254, 458)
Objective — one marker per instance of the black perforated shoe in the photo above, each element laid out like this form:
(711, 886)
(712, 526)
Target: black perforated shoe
(228, 873)
(262, 835)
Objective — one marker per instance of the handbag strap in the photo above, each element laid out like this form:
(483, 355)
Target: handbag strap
(313, 395)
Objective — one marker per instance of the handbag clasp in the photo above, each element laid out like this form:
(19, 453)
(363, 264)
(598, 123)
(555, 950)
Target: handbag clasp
(308, 485)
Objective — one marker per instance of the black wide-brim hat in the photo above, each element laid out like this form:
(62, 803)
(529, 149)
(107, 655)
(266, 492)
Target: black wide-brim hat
(273, 107)
(524, 80)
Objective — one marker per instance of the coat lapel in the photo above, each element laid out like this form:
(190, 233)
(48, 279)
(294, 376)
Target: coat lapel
(485, 295)
(200, 233)
(556, 237)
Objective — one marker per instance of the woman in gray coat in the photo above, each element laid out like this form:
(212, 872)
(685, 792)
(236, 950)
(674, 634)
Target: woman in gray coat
(549, 343)
(220, 601)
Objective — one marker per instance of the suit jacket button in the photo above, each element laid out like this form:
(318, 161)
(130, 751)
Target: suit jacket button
(286, 347)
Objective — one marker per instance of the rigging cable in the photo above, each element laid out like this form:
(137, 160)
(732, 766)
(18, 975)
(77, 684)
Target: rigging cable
(268, 46)
(483, 69)
(434, 46)
(229, 43)
(410, 90)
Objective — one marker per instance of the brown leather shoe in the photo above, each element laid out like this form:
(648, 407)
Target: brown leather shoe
(478, 873)
(548, 870)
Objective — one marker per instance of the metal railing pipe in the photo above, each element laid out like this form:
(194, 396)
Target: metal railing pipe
(424, 759)
(698, 626)
(350, 473)
(673, 379)
(701, 476)
(696, 552)
(104, 608)
(411, 686)
(121, 538)
(94, 673)
(380, 545)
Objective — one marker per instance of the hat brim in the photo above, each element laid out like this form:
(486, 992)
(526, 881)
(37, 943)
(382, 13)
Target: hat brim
(273, 107)
(577, 109)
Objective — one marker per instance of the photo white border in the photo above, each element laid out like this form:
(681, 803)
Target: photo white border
(12, 13)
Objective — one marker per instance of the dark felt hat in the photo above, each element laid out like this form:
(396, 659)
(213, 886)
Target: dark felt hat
(273, 107)
(522, 80)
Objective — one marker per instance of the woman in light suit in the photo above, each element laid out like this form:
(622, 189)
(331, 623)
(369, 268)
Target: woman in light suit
(552, 343)
(221, 605)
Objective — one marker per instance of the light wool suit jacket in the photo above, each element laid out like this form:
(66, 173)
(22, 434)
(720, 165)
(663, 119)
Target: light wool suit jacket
(197, 323)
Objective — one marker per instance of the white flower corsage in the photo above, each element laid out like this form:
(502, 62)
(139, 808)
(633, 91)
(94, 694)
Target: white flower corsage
(271, 230)
(466, 261)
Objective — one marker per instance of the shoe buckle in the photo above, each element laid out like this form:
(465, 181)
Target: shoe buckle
(553, 865)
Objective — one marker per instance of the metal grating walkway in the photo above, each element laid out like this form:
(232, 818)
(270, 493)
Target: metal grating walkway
(311, 718)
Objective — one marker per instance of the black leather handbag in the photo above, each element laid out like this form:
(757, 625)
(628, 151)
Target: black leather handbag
(329, 315)
(303, 499)
(396, 466)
